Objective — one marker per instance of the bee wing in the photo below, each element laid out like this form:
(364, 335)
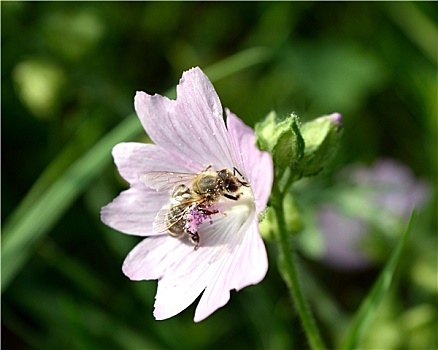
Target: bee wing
(163, 180)
(163, 221)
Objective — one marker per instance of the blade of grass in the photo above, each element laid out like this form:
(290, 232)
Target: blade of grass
(58, 165)
(325, 308)
(417, 26)
(39, 211)
(238, 62)
(23, 230)
(370, 305)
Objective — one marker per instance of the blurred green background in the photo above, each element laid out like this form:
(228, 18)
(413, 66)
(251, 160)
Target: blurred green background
(69, 74)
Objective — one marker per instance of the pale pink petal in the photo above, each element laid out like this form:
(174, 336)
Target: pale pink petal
(191, 126)
(135, 159)
(179, 288)
(134, 210)
(256, 165)
(247, 264)
(183, 273)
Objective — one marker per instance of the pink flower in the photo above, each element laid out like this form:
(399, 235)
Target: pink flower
(388, 192)
(190, 136)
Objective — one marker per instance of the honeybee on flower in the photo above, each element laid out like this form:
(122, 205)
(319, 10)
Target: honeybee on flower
(190, 205)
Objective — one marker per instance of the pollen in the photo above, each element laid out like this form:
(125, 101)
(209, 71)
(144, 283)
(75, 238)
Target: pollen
(196, 216)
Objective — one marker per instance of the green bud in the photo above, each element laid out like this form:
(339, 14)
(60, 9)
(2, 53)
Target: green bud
(268, 224)
(282, 139)
(321, 137)
(264, 131)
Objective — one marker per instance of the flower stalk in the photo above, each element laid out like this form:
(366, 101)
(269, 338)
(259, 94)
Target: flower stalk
(288, 269)
(298, 150)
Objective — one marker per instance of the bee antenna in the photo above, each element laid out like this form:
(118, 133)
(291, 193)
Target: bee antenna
(237, 171)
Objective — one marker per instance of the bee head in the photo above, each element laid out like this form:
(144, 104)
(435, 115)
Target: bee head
(231, 183)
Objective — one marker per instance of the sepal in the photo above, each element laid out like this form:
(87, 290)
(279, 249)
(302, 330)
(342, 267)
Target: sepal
(283, 140)
(321, 137)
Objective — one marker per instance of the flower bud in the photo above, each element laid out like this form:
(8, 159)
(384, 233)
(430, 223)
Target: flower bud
(321, 137)
(299, 150)
(282, 139)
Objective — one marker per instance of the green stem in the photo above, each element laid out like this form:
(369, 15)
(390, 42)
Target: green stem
(290, 275)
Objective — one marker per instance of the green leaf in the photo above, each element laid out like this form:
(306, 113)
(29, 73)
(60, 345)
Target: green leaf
(371, 303)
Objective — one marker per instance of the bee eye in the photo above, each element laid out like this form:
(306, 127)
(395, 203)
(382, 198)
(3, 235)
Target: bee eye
(222, 174)
(232, 187)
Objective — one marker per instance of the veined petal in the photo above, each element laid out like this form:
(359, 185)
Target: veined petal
(191, 126)
(256, 165)
(135, 159)
(224, 261)
(134, 210)
(245, 265)
(182, 272)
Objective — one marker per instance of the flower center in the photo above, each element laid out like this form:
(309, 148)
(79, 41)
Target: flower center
(200, 213)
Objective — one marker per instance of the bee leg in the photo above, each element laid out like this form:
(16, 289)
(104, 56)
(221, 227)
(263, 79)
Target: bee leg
(207, 212)
(229, 196)
(194, 238)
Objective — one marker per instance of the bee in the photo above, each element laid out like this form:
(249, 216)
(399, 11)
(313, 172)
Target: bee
(191, 198)
(211, 185)
(175, 220)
